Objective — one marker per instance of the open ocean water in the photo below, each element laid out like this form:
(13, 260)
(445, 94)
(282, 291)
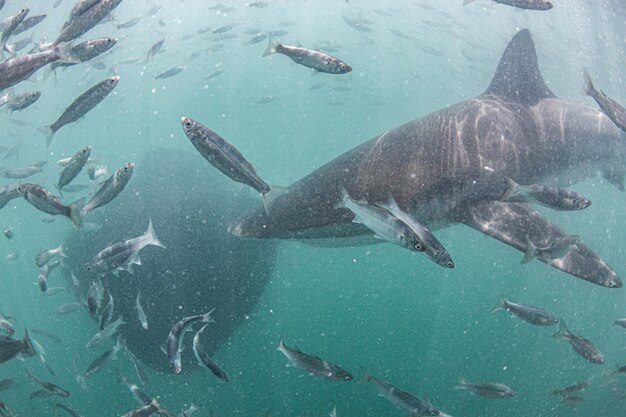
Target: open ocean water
(372, 309)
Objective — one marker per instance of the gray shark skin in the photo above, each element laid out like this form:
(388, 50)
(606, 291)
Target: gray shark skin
(434, 167)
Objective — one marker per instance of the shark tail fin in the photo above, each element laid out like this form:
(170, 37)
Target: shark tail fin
(530, 253)
(588, 89)
(563, 330)
(272, 46)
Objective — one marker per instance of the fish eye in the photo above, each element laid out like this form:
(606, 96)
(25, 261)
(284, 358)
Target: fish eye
(450, 264)
(347, 378)
(418, 246)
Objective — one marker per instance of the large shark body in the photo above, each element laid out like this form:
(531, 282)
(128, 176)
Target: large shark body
(449, 168)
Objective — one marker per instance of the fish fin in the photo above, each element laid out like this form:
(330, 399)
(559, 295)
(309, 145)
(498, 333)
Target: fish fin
(75, 212)
(376, 235)
(62, 252)
(66, 56)
(390, 205)
(501, 305)
(50, 71)
(207, 318)
(530, 252)
(466, 2)
(588, 88)
(28, 342)
(563, 330)
(6, 97)
(615, 176)
(511, 223)
(49, 132)
(511, 191)
(270, 196)
(272, 46)
(152, 237)
(461, 383)
(342, 197)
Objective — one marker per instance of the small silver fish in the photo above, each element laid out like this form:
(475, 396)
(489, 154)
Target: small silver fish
(313, 364)
(621, 322)
(486, 389)
(557, 249)
(101, 361)
(529, 314)
(522, 4)
(129, 23)
(123, 255)
(555, 198)
(571, 389)
(73, 167)
(49, 386)
(169, 73)
(205, 360)
(82, 105)
(610, 107)
(155, 49)
(582, 346)
(316, 60)
(140, 313)
(110, 189)
(106, 334)
(18, 102)
(12, 24)
(44, 200)
(174, 343)
(68, 308)
(95, 294)
(44, 256)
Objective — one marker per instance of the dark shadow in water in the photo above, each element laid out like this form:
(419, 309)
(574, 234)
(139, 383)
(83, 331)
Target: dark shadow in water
(203, 267)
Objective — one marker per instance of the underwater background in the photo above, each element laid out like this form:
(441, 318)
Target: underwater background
(373, 308)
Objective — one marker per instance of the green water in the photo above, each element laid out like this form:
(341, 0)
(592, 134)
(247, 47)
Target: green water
(376, 308)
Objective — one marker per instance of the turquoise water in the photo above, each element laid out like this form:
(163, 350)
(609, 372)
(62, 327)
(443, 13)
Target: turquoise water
(374, 308)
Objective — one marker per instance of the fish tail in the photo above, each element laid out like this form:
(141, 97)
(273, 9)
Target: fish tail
(530, 253)
(50, 70)
(65, 54)
(5, 98)
(588, 89)
(269, 197)
(10, 49)
(62, 253)
(152, 237)
(502, 305)
(272, 46)
(28, 343)
(461, 383)
(563, 330)
(49, 132)
(511, 191)
(207, 318)
(76, 212)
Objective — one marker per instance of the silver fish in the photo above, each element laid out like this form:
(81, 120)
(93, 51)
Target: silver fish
(154, 49)
(102, 360)
(44, 272)
(8, 193)
(621, 322)
(225, 157)
(44, 256)
(10, 348)
(141, 374)
(522, 4)
(557, 249)
(70, 410)
(18, 69)
(169, 73)
(140, 313)
(555, 198)
(73, 168)
(385, 225)
(123, 255)
(94, 298)
(530, 314)
(571, 389)
(205, 360)
(12, 256)
(87, 50)
(313, 364)
(582, 346)
(486, 389)
(402, 399)
(107, 313)
(141, 397)
(29, 23)
(85, 15)
(44, 201)
(10, 27)
(110, 189)
(49, 386)
(610, 107)
(432, 247)
(24, 172)
(17, 102)
(81, 106)
(106, 334)
(129, 23)
(146, 411)
(69, 308)
(316, 60)
(176, 336)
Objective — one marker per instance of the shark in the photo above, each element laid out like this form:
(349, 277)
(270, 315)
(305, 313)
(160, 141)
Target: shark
(450, 168)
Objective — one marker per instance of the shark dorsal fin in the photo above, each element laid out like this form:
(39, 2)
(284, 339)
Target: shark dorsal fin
(518, 77)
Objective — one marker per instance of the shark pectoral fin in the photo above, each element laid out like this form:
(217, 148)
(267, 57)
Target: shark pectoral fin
(615, 176)
(515, 224)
